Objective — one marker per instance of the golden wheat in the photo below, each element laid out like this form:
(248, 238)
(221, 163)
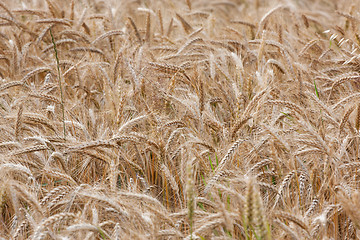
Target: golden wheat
(183, 119)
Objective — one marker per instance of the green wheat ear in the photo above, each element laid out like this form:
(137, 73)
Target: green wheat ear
(59, 79)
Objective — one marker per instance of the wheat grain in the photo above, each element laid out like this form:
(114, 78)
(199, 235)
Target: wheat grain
(292, 218)
(187, 27)
(287, 229)
(222, 164)
(106, 35)
(137, 34)
(259, 165)
(345, 100)
(345, 118)
(18, 122)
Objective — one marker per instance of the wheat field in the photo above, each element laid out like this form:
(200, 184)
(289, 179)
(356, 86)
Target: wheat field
(179, 119)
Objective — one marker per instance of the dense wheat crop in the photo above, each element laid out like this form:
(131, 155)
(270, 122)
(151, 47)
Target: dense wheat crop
(179, 119)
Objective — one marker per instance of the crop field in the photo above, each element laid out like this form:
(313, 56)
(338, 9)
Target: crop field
(180, 119)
